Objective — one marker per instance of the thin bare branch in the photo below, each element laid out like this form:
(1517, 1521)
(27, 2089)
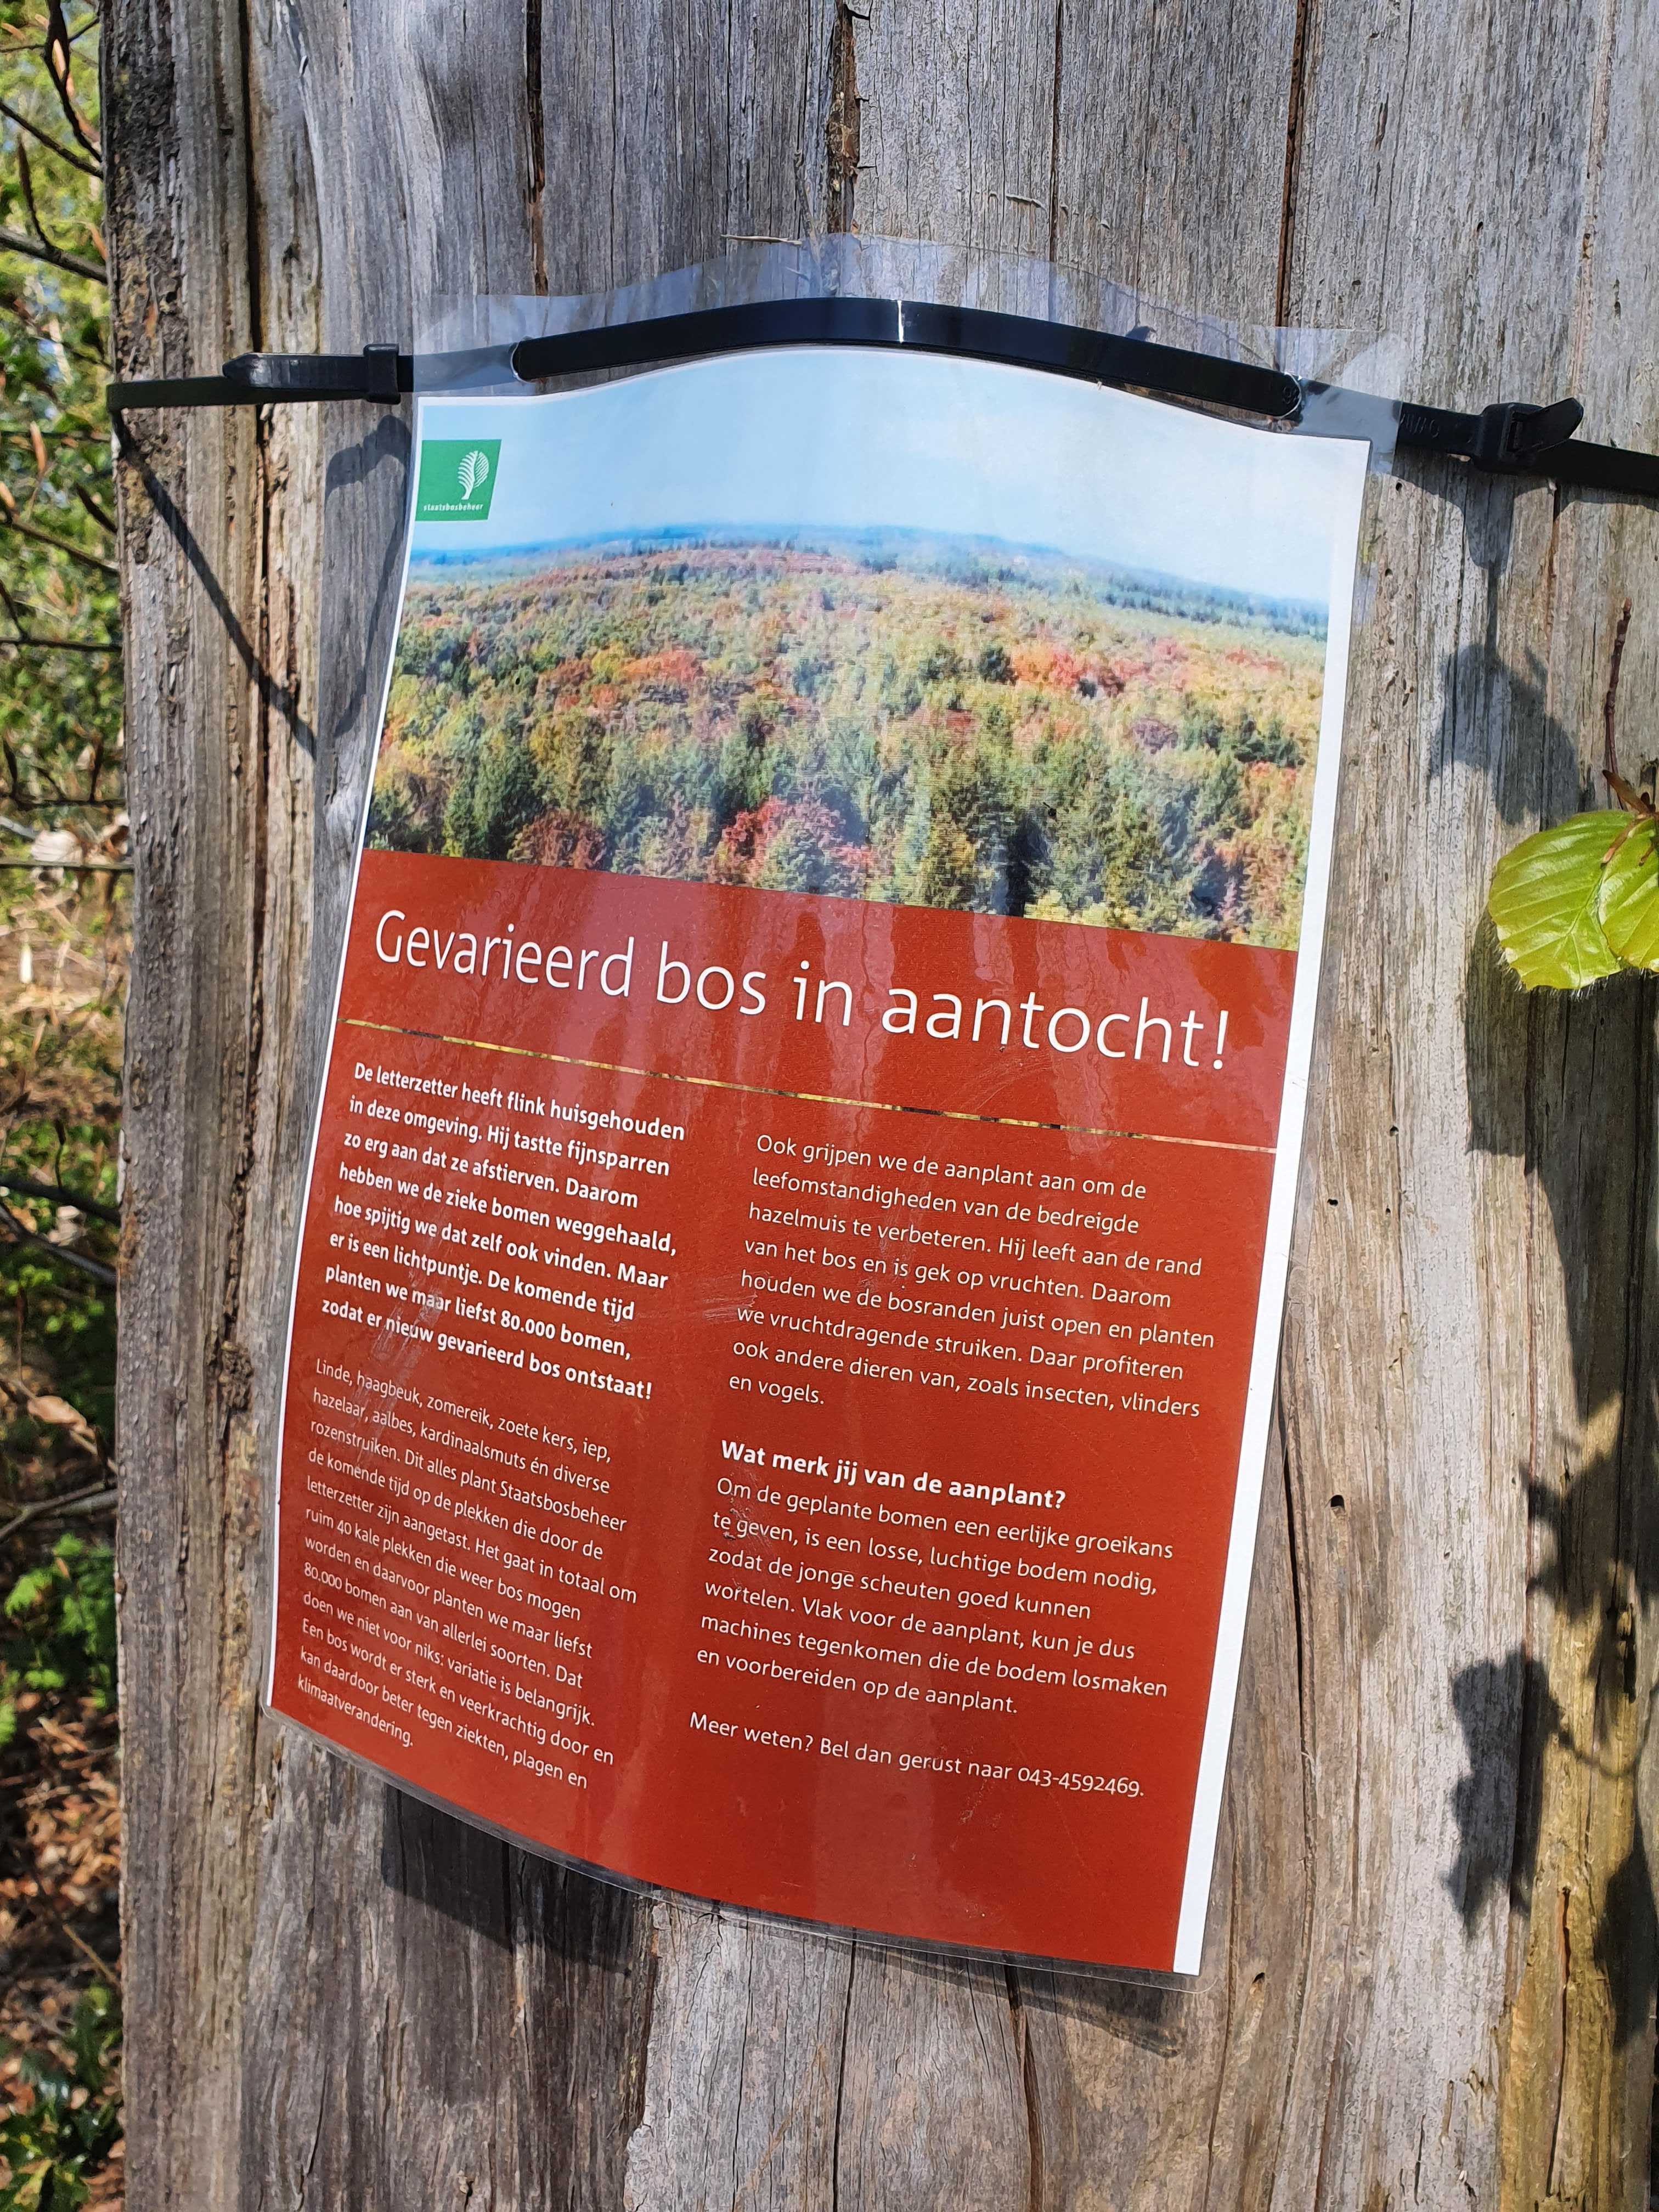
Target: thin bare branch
(27, 1186)
(26, 179)
(12, 241)
(11, 1227)
(70, 868)
(58, 545)
(1610, 701)
(99, 1967)
(28, 640)
(37, 1781)
(57, 805)
(56, 52)
(60, 1509)
(105, 521)
(18, 309)
(52, 145)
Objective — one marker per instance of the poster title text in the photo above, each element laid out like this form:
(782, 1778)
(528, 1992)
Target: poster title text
(1169, 1035)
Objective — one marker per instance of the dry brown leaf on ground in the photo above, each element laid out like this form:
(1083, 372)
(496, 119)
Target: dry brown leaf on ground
(55, 1410)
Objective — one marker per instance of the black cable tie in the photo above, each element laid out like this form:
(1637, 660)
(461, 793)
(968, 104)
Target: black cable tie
(975, 333)
(1537, 428)
(1511, 438)
(379, 373)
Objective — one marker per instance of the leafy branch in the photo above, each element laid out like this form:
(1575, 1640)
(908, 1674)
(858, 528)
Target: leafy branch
(1580, 901)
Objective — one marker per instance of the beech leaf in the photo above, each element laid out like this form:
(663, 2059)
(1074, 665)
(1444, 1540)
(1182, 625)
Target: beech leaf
(1545, 903)
(1629, 898)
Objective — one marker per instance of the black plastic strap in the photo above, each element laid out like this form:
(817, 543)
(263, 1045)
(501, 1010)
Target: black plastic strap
(379, 372)
(1022, 341)
(1512, 438)
(175, 392)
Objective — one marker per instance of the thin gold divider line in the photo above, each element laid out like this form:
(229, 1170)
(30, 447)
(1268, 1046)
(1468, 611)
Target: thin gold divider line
(815, 1097)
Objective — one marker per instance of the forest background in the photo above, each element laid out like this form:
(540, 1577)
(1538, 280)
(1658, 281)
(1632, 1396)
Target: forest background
(889, 714)
(63, 938)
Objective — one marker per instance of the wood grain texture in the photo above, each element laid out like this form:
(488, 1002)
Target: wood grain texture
(1431, 1962)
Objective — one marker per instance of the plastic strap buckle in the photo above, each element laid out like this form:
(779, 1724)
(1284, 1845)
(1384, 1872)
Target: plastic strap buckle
(1511, 434)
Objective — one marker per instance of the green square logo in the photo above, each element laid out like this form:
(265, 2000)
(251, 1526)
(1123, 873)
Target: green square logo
(457, 480)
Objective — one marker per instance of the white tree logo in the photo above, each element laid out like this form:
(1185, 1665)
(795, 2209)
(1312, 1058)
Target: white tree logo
(473, 471)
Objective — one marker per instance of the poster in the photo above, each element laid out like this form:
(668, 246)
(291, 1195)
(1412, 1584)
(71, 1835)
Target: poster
(789, 1282)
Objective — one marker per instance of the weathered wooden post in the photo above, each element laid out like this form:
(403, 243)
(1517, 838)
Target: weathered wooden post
(1433, 1950)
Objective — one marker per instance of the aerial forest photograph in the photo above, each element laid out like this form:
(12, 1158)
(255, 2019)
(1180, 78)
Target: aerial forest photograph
(897, 715)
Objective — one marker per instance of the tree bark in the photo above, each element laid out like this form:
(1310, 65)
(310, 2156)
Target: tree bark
(1431, 1972)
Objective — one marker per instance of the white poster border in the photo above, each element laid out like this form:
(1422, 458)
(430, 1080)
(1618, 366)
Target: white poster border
(1346, 514)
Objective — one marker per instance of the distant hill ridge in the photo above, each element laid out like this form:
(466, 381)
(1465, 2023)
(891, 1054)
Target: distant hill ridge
(975, 562)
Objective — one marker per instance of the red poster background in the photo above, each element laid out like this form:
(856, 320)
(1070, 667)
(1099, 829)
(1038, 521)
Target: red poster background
(862, 1808)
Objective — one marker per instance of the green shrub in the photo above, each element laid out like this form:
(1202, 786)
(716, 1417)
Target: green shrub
(75, 2119)
(60, 1624)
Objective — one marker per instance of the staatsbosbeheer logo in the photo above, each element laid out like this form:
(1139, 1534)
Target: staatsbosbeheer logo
(457, 480)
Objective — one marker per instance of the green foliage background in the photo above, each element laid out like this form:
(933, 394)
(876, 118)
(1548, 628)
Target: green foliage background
(63, 935)
(59, 1629)
(60, 710)
(52, 2145)
(63, 966)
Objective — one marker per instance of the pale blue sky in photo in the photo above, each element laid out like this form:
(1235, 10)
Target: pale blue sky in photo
(842, 439)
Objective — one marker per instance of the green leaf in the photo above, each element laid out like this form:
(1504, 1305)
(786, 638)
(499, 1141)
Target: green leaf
(1629, 898)
(1545, 903)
